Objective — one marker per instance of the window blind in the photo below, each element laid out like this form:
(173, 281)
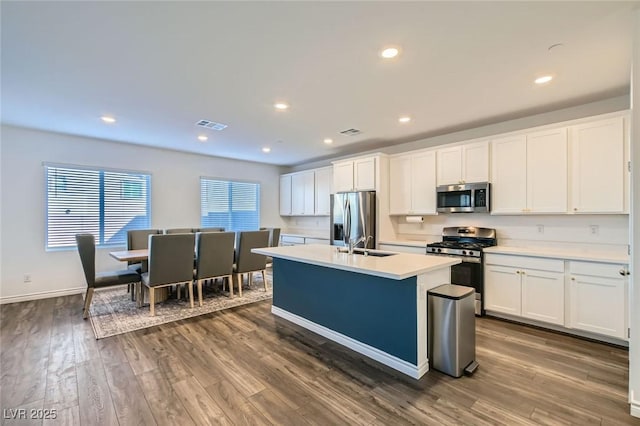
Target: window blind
(101, 202)
(232, 205)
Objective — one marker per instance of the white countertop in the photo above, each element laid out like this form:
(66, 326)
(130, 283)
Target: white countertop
(555, 253)
(397, 267)
(305, 235)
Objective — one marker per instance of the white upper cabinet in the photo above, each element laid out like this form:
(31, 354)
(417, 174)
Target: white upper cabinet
(529, 173)
(463, 164)
(285, 195)
(412, 181)
(303, 193)
(323, 180)
(355, 175)
(598, 170)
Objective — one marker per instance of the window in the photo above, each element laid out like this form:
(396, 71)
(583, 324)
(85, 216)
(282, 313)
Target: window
(104, 203)
(232, 205)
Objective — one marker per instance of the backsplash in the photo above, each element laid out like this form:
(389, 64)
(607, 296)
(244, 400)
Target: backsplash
(597, 233)
(308, 225)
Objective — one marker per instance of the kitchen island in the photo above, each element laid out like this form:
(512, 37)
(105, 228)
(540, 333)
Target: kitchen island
(374, 304)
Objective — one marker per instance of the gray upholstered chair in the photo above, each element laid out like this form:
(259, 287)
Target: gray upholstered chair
(138, 239)
(180, 231)
(247, 262)
(214, 258)
(170, 263)
(87, 250)
(274, 241)
(221, 229)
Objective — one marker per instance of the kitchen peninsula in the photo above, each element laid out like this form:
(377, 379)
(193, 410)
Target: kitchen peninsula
(375, 304)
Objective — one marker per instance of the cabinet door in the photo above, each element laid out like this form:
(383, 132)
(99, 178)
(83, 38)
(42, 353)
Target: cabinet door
(297, 194)
(543, 296)
(400, 174)
(598, 303)
(475, 162)
(343, 176)
(547, 171)
(449, 165)
(309, 193)
(509, 175)
(323, 191)
(502, 289)
(285, 195)
(423, 183)
(364, 174)
(597, 165)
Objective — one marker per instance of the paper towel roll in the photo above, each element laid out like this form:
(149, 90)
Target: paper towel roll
(415, 219)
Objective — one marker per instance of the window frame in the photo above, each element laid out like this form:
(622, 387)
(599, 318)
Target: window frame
(233, 180)
(99, 244)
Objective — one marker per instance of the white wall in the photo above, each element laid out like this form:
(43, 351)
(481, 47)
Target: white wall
(175, 201)
(634, 344)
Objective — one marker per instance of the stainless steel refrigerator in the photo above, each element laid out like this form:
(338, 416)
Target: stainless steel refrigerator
(353, 216)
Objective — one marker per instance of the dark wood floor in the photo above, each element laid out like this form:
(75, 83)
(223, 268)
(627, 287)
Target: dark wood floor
(245, 366)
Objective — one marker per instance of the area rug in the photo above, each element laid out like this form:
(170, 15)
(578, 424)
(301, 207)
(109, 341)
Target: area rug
(113, 312)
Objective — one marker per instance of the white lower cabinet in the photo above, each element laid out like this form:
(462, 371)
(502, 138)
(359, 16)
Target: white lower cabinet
(598, 294)
(527, 287)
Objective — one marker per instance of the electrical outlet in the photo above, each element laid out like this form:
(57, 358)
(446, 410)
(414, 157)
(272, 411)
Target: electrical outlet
(595, 229)
(540, 229)
(26, 278)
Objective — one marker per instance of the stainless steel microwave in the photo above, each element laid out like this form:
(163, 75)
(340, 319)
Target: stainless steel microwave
(465, 198)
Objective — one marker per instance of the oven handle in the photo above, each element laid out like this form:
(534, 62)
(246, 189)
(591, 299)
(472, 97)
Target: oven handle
(464, 259)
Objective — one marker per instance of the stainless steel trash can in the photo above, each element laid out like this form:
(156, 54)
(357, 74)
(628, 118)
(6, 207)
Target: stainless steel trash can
(451, 329)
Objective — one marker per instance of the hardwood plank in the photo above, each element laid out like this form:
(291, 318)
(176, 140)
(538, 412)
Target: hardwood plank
(96, 406)
(69, 416)
(122, 384)
(200, 406)
(165, 405)
(235, 406)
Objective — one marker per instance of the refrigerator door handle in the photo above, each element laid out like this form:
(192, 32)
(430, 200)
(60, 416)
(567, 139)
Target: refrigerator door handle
(347, 213)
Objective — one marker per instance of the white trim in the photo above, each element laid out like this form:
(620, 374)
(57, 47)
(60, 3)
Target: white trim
(382, 357)
(580, 333)
(42, 295)
(635, 409)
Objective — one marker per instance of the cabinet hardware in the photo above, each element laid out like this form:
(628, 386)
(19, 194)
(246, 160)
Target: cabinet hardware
(628, 272)
(573, 278)
(622, 272)
(518, 272)
(575, 209)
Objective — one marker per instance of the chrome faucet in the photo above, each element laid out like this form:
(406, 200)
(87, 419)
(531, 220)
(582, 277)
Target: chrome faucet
(354, 242)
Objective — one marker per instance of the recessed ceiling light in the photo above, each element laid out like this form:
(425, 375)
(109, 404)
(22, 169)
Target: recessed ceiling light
(281, 106)
(405, 119)
(266, 149)
(389, 52)
(328, 141)
(544, 79)
(202, 138)
(108, 119)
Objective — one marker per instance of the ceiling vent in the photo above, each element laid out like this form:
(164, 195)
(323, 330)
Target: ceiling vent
(351, 132)
(211, 125)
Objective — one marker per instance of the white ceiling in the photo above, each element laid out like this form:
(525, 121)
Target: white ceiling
(159, 67)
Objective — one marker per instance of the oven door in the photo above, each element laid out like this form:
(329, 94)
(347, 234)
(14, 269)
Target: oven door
(469, 273)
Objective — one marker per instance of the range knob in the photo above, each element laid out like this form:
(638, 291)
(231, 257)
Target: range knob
(464, 252)
(439, 250)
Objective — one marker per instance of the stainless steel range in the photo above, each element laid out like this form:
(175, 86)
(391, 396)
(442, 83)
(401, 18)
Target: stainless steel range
(466, 243)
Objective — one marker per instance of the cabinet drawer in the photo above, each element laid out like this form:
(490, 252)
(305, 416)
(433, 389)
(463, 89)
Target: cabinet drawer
(289, 240)
(542, 264)
(609, 270)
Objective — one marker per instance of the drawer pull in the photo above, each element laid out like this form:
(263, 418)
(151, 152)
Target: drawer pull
(622, 272)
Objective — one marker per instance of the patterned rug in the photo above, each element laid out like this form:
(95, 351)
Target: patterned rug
(113, 312)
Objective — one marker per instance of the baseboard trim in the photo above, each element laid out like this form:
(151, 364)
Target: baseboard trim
(42, 295)
(391, 361)
(635, 410)
(560, 329)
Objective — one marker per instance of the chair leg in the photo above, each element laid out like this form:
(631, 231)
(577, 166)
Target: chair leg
(152, 301)
(240, 279)
(200, 292)
(139, 295)
(264, 279)
(190, 289)
(87, 302)
(178, 287)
